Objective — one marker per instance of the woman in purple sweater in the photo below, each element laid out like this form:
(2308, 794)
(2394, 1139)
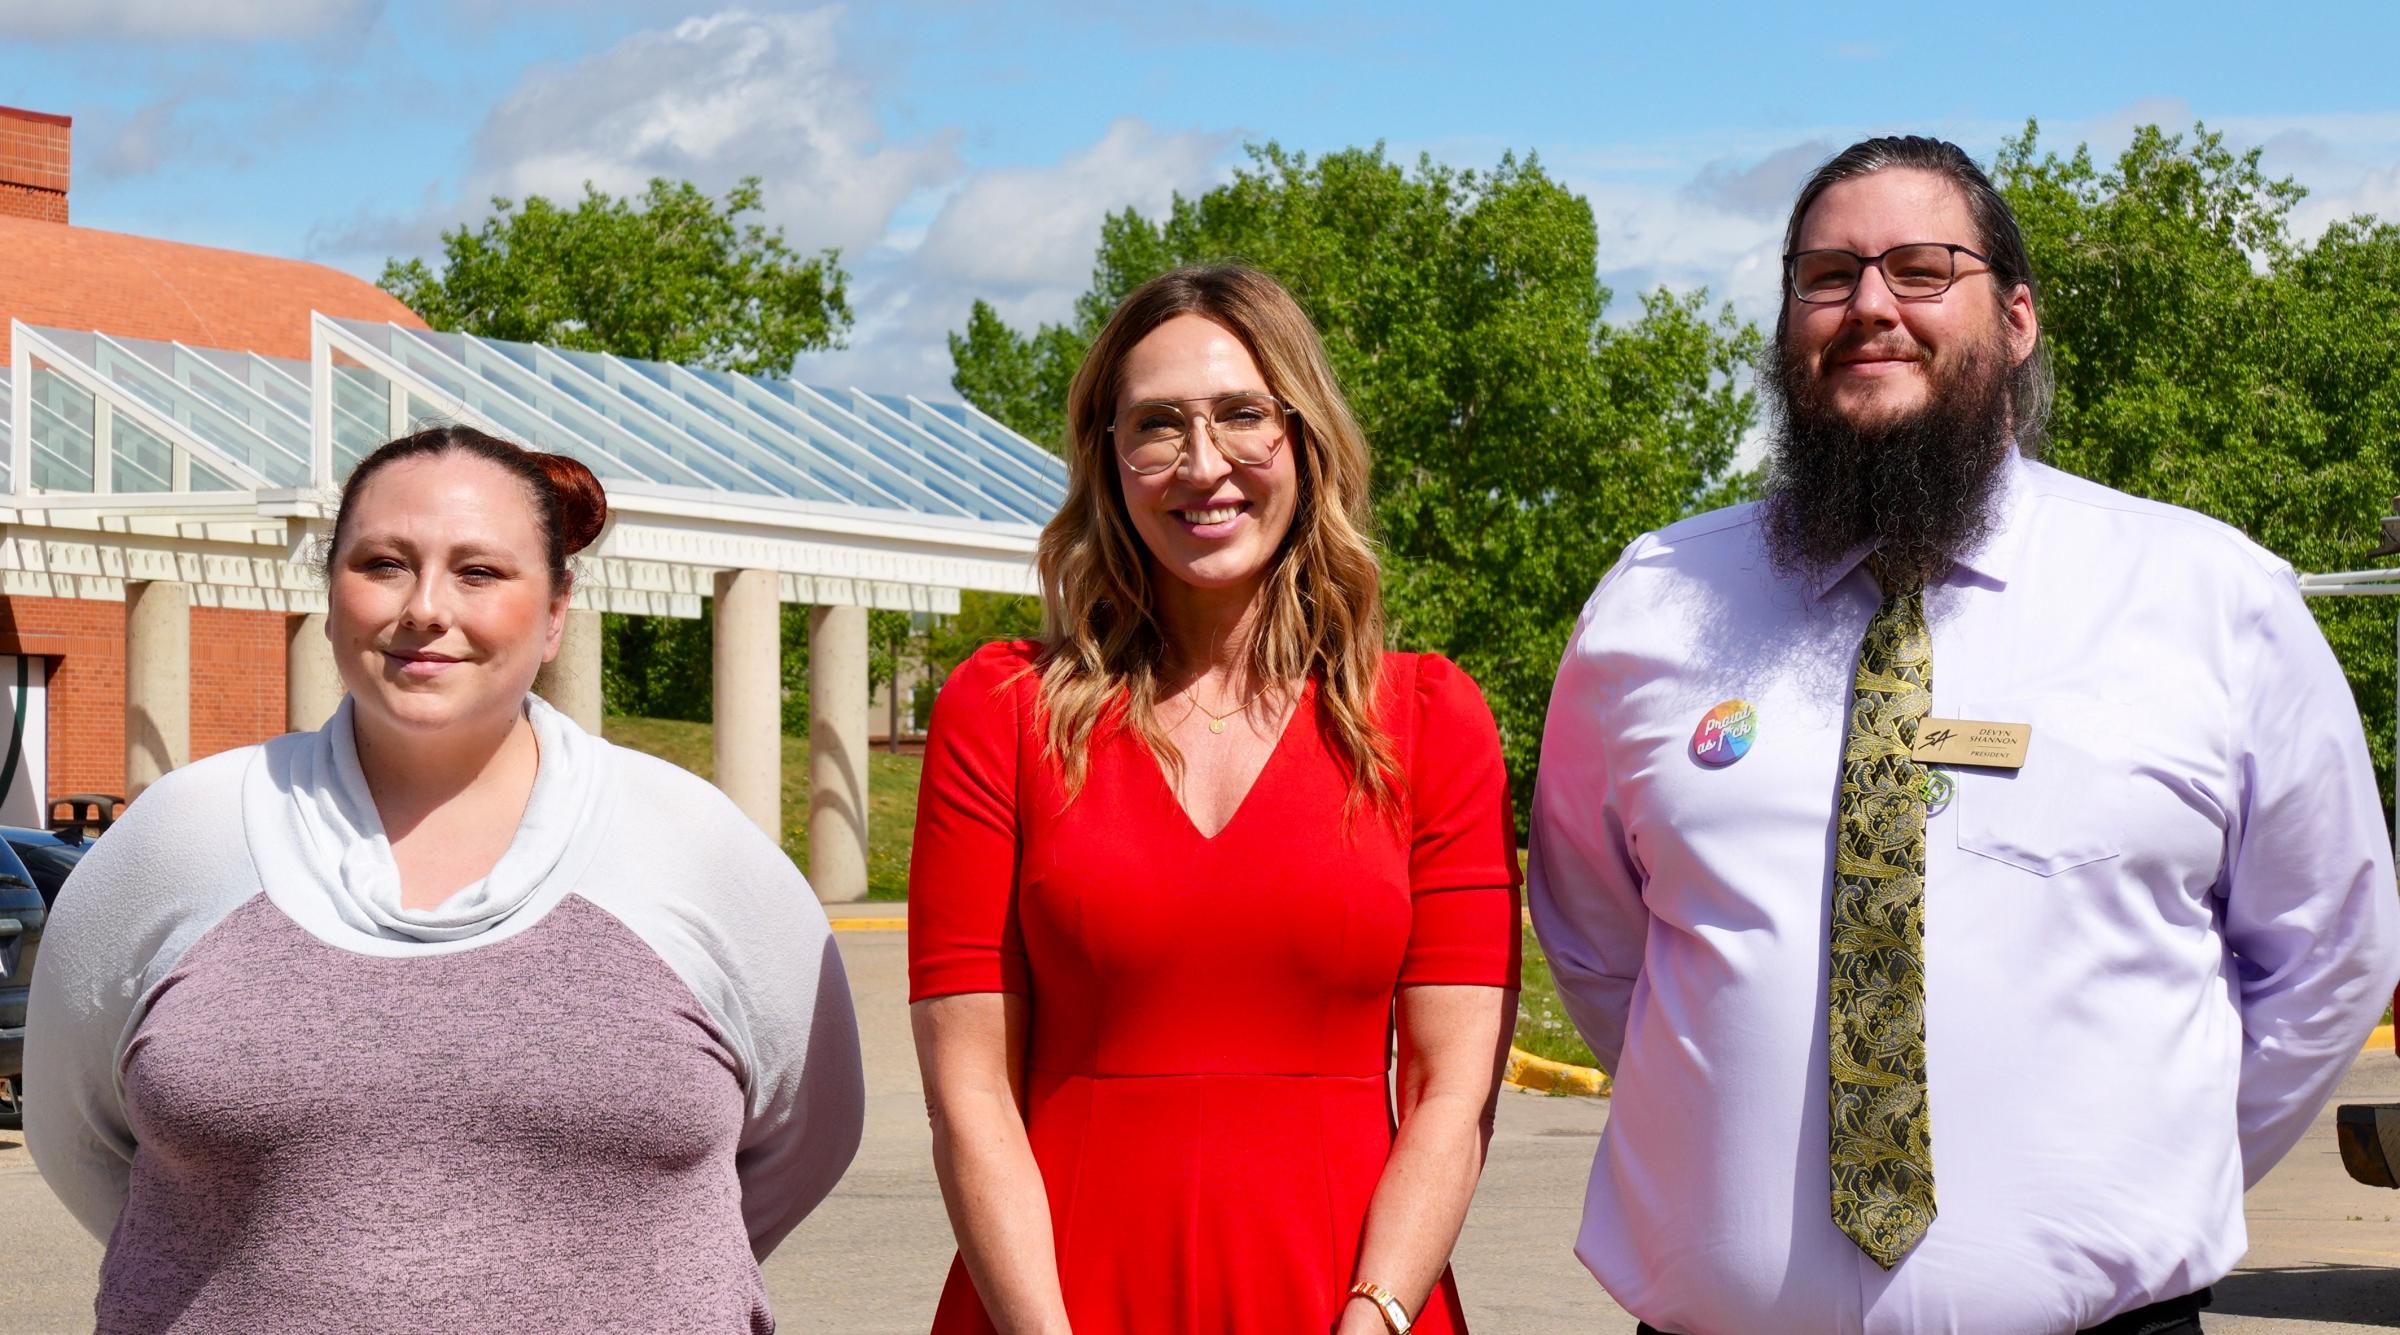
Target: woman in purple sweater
(448, 1016)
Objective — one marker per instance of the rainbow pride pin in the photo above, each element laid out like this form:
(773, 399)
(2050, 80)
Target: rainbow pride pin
(1724, 734)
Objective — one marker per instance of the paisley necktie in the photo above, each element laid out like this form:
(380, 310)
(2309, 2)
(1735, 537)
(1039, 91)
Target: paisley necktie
(1881, 1142)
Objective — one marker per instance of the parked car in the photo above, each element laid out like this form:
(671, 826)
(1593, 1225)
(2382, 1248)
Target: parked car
(44, 856)
(47, 854)
(23, 912)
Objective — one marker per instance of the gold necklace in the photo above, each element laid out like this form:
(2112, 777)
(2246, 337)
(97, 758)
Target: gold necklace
(1216, 721)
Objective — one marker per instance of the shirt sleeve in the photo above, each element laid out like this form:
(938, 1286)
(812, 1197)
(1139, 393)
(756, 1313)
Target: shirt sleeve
(2309, 907)
(1583, 885)
(807, 1097)
(166, 873)
(1462, 864)
(738, 923)
(963, 934)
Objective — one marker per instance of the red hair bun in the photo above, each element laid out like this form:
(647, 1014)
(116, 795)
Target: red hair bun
(582, 505)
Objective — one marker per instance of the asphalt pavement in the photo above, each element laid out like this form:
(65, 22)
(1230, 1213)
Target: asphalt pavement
(2324, 1256)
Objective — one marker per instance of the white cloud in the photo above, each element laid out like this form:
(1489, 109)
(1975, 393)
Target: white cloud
(1763, 189)
(2376, 191)
(183, 20)
(712, 100)
(1022, 238)
(1027, 227)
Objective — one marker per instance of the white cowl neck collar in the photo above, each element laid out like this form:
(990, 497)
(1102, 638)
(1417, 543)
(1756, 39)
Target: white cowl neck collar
(323, 856)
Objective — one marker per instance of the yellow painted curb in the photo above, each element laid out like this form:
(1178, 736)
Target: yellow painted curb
(870, 924)
(1527, 1071)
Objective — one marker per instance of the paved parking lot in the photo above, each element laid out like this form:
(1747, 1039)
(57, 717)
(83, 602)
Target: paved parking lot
(2324, 1258)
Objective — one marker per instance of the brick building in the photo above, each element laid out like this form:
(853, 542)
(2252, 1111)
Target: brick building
(55, 274)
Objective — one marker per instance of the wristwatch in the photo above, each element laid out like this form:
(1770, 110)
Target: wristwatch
(1395, 1317)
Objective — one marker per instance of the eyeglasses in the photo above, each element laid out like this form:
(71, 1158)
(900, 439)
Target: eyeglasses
(1919, 269)
(1247, 428)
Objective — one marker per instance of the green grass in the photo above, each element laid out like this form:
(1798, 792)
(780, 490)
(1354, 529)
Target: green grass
(891, 792)
(1543, 1028)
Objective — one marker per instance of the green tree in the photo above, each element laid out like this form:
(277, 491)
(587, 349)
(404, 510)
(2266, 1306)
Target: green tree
(981, 619)
(1520, 439)
(672, 275)
(657, 667)
(1019, 379)
(2209, 358)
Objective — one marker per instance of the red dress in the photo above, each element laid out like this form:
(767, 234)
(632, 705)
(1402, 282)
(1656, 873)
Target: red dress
(1210, 1023)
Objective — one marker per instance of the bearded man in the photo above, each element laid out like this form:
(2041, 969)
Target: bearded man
(1973, 876)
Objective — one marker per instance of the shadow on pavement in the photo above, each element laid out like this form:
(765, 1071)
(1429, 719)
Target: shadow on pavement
(2359, 1294)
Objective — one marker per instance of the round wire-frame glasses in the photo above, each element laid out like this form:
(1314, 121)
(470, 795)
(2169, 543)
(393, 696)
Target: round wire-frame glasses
(1916, 270)
(1247, 427)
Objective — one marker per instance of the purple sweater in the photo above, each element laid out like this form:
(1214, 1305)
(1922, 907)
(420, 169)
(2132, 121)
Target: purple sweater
(592, 1108)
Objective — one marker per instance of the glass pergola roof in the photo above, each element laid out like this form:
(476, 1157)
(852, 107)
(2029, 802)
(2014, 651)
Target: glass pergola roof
(110, 415)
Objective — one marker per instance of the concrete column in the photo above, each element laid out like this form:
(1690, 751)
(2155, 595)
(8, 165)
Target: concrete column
(837, 753)
(158, 681)
(571, 681)
(749, 688)
(312, 688)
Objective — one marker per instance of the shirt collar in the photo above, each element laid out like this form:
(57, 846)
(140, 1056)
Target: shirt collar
(1992, 561)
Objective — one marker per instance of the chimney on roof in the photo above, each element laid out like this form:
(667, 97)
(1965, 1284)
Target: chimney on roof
(33, 164)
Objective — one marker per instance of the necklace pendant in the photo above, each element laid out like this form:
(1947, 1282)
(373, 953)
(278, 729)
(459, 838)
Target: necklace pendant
(1216, 725)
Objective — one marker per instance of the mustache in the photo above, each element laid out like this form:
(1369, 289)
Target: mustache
(1873, 344)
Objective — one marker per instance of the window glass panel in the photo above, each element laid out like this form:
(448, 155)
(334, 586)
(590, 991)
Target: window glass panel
(62, 433)
(361, 408)
(284, 383)
(1003, 494)
(205, 478)
(433, 361)
(884, 486)
(140, 461)
(605, 419)
(422, 414)
(768, 465)
(844, 412)
(230, 392)
(222, 431)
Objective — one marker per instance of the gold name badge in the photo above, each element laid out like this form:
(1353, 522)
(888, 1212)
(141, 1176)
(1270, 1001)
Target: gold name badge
(1966, 741)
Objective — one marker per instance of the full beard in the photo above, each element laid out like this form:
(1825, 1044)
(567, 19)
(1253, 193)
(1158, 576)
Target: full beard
(1918, 488)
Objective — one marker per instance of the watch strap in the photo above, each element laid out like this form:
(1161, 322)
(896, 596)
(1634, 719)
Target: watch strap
(1395, 1317)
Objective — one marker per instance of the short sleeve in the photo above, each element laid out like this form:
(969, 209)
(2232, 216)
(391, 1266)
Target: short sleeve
(962, 871)
(1462, 863)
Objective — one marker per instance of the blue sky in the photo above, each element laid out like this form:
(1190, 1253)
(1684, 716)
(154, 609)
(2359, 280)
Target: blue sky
(956, 150)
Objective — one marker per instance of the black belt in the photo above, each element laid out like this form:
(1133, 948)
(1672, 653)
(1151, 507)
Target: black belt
(2158, 1318)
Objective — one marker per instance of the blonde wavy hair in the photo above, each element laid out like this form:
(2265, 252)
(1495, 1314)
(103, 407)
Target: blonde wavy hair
(1103, 650)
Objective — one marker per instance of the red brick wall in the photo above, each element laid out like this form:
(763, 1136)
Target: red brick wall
(237, 678)
(18, 201)
(35, 152)
(237, 682)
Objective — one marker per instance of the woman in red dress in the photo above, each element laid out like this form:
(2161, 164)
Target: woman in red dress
(1183, 865)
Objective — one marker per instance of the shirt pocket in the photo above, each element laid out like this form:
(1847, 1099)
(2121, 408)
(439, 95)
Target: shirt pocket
(2065, 808)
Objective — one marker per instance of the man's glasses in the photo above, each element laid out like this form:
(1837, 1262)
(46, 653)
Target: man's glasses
(1247, 428)
(1919, 269)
